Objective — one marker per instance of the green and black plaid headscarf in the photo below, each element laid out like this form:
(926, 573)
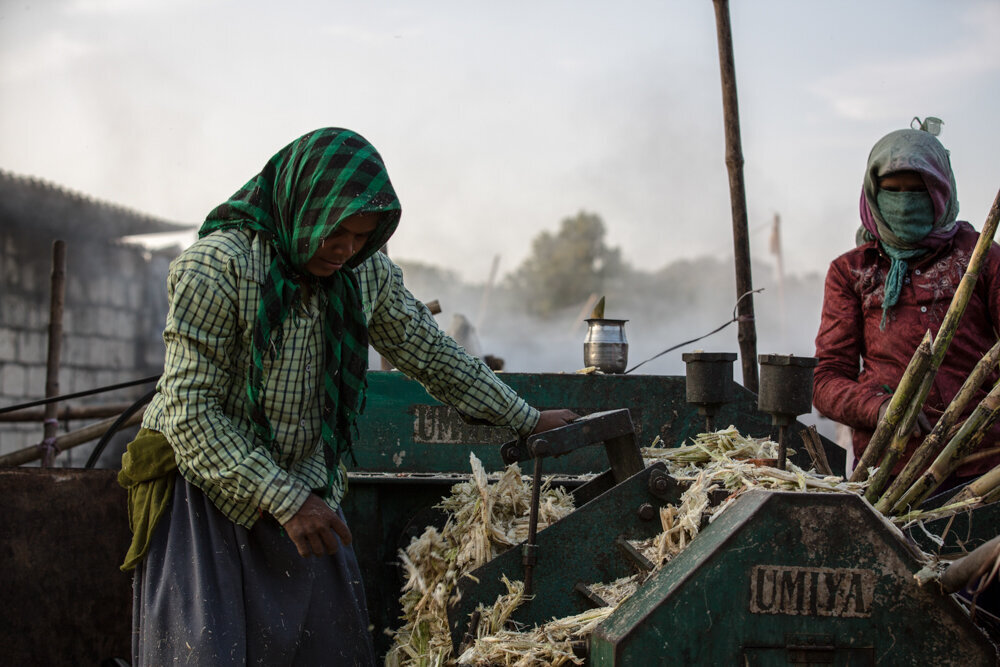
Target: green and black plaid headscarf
(301, 196)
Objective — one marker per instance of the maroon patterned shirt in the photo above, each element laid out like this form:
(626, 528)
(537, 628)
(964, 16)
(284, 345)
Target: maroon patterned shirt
(860, 365)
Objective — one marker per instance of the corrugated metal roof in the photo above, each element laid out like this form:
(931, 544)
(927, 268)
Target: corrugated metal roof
(34, 205)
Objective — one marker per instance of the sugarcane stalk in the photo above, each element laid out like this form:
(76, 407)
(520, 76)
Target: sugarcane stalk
(981, 487)
(949, 325)
(810, 437)
(992, 497)
(912, 376)
(965, 442)
(904, 430)
(950, 509)
(932, 444)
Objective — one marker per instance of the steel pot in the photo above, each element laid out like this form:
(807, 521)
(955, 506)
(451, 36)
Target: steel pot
(606, 346)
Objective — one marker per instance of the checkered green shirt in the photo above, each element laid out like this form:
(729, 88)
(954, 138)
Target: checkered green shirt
(201, 407)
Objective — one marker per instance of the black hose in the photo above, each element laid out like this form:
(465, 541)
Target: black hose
(79, 394)
(122, 418)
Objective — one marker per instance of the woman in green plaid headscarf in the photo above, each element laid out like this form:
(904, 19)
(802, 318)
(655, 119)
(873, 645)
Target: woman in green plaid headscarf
(271, 311)
(267, 293)
(299, 199)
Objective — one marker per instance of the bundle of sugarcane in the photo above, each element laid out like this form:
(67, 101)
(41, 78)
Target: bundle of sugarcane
(961, 445)
(485, 518)
(945, 431)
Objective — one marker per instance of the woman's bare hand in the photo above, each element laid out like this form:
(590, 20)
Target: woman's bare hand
(313, 526)
(550, 419)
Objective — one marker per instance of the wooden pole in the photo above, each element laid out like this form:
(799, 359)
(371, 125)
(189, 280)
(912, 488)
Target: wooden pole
(484, 301)
(737, 197)
(68, 440)
(56, 301)
(779, 262)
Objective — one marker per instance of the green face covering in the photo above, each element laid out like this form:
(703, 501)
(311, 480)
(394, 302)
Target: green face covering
(910, 215)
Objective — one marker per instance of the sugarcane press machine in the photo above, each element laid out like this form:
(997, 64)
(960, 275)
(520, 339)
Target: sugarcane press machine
(778, 578)
(411, 450)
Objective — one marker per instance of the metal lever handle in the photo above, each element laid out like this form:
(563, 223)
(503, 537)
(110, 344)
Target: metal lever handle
(592, 429)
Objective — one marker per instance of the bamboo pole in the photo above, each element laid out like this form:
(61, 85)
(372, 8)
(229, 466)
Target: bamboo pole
(738, 201)
(912, 376)
(57, 299)
(949, 325)
(67, 412)
(935, 440)
(964, 443)
(67, 440)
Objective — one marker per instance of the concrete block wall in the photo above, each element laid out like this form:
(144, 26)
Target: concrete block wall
(115, 305)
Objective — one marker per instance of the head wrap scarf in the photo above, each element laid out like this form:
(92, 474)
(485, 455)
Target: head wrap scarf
(300, 197)
(908, 150)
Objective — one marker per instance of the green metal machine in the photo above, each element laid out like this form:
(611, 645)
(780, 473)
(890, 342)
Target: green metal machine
(792, 578)
(778, 578)
(411, 449)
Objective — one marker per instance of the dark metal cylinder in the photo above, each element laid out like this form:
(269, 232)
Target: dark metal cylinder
(708, 377)
(786, 383)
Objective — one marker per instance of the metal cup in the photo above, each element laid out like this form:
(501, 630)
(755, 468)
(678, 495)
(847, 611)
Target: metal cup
(605, 346)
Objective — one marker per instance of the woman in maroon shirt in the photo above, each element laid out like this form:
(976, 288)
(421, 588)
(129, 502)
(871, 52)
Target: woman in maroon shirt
(882, 296)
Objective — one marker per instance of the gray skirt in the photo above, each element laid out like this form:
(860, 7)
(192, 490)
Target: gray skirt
(210, 592)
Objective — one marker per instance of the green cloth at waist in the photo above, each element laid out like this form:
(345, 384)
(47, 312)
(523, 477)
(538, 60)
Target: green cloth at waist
(148, 472)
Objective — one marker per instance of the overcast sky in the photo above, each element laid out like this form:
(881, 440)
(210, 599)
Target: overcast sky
(499, 119)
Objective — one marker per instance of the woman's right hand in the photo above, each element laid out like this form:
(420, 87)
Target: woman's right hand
(313, 526)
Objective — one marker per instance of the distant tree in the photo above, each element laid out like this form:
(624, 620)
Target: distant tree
(565, 268)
